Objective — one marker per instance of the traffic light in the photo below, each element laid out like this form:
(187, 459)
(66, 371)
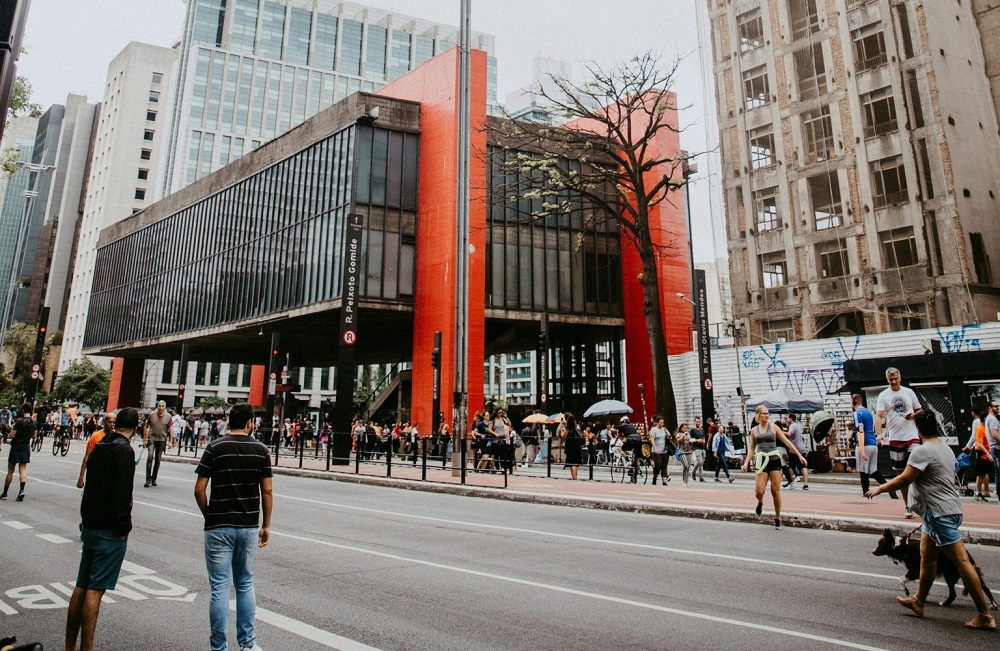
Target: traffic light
(436, 358)
(543, 341)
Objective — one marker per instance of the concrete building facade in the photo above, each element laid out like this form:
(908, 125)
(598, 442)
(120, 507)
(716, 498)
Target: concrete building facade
(854, 203)
(123, 168)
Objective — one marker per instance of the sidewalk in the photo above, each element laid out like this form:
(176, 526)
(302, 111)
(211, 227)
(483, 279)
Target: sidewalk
(816, 509)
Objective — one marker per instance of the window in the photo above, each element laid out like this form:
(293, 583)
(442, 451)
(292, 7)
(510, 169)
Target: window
(818, 135)
(804, 18)
(776, 332)
(981, 259)
(915, 105)
(150, 116)
(824, 197)
(762, 147)
(168, 372)
(773, 269)
(146, 154)
(889, 177)
(214, 374)
(879, 109)
(143, 175)
(299, 29)
(378, 38)
(810, 69)
(908, 317)
(756, 89)
(199, 372)
(272, 31)
(140, 194)
(899, 247)
(147, 134)
(157, 78)
(233, 375)
(751, 28)
(831, 259)
(154, 96)
(350, 47)
(869, 48)
(768, 210)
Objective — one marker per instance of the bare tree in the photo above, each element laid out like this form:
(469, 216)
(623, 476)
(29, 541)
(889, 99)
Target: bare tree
(606, 149)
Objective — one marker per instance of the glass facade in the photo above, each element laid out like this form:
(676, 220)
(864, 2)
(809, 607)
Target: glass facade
(299, 31)
(12, 209)
(209, 17)
(272, 31)
(243, 36)
(568, 262)
(269, 243)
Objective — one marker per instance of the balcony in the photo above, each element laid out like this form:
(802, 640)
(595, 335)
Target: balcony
(881, 129)
(873, 62)
(891, 199)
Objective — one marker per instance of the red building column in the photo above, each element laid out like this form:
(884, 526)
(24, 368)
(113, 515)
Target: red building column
(258, 385)
(126, 383)
(435, 85)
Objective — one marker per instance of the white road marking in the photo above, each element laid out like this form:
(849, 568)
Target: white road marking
(52, 538)
(14, 524)
(306, 631)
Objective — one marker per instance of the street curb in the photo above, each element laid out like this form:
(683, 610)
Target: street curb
(973, 536)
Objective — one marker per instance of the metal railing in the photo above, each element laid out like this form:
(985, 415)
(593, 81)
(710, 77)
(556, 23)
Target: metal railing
(891, 199)
(881, 129)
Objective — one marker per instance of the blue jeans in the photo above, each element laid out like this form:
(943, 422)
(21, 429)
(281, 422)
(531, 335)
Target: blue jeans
(230, 554)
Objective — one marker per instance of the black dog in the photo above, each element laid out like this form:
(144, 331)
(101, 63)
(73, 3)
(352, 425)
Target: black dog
(907, 552)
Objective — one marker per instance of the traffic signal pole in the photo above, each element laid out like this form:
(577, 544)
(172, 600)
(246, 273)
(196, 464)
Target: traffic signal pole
(35, 373)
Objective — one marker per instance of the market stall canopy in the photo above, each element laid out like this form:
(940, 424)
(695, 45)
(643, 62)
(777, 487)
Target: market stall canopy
(784, 400)
(606, 408)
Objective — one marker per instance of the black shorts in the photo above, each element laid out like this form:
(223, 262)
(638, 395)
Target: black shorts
(773, 464)
(983, 467)
(20, 453)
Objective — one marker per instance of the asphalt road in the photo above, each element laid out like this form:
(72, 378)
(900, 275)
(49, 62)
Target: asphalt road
(354, 565)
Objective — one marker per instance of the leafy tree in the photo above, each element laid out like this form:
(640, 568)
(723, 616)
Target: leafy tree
(213, 402)
(613, 128)
(83, 382)
(19, 342)
(20, 100)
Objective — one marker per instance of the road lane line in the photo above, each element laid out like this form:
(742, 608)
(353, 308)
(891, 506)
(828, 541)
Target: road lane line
(52, 538)
(581, 593)
(306, 631)
(14, 524)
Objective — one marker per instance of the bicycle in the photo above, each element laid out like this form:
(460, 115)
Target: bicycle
(623, 465)
(60, 443)
(36, 442)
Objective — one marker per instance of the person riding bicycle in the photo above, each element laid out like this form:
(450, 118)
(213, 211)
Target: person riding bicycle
(6, 420)
(633, 444)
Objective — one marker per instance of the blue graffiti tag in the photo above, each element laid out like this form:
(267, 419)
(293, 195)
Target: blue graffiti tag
(958, 341)
(838, 357)
(807, 380)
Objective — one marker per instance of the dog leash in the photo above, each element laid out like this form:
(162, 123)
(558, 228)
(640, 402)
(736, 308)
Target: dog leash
(906, 538)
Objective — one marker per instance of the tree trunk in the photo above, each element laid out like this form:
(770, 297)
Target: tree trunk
(662, 385)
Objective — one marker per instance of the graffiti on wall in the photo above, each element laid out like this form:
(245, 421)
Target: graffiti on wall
(761, 357)
(960, 340)
(806, 380)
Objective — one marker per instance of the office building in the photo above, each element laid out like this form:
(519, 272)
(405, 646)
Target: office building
(123, 167)
(853, 205)
(19, 135)
(250, 70)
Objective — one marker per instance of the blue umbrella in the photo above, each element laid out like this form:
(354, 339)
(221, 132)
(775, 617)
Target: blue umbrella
(606, 408)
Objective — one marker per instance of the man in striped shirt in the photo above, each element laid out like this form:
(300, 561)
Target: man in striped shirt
(239, 469)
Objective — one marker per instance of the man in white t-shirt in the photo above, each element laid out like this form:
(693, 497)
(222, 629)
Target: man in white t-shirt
(896, 408)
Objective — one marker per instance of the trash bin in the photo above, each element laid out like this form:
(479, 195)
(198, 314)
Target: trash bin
(341, 443)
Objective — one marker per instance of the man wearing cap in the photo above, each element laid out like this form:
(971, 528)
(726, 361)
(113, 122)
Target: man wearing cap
(106, 511)
(155, 433)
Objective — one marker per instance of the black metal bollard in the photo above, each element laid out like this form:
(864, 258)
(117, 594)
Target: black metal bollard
(329, 450)
(302, 448)
(388, 459)
(423, 462)
(357, 457)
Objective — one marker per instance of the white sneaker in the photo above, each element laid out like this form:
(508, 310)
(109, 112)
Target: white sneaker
(251, 648)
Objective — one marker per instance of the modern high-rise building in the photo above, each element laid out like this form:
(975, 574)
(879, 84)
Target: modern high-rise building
(19, 135)
(43, 248)
(250, 70)
(859, 141)
(123, 167)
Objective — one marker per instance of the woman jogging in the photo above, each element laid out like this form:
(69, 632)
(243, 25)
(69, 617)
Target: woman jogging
(764, 451)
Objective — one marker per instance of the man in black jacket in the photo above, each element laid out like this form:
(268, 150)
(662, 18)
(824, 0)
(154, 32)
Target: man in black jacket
(106, 510)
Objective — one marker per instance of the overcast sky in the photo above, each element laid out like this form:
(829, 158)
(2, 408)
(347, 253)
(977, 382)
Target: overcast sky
(69, 44)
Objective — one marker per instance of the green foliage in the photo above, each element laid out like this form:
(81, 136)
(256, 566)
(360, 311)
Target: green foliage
(83, 382)
(20, 100)
(213, 402)
(8, 157)
(19, 341)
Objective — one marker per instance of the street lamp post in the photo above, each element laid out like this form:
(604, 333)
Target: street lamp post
(735, 328)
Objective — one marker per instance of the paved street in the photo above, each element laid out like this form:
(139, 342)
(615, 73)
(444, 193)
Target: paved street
(354, 565)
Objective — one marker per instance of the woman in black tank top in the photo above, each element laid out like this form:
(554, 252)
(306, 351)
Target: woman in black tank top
(764, 451)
